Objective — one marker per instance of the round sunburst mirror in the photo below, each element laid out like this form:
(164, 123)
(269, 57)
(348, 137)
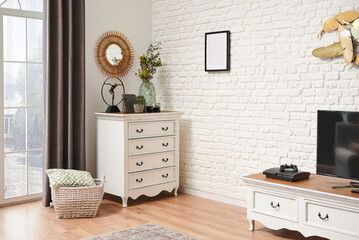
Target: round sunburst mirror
(114, 54)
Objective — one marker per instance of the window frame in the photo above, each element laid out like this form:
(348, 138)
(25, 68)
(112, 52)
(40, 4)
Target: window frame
(24, 14)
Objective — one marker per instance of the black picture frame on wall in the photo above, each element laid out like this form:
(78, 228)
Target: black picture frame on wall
(217, 51)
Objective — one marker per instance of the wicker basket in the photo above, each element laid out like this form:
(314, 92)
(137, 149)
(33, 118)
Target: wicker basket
(77, 202)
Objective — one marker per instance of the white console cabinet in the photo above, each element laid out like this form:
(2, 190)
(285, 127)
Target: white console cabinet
(310, 206)
(138, 153)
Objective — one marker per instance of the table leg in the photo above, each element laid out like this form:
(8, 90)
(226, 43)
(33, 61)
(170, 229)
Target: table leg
(251, 224)
(124, 201)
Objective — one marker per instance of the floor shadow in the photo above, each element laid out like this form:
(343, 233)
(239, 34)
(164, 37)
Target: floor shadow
(141, 199)
(288, 234)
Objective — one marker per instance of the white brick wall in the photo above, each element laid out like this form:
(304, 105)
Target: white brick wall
(263, 112)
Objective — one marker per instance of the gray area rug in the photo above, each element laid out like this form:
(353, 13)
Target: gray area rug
(148, 231)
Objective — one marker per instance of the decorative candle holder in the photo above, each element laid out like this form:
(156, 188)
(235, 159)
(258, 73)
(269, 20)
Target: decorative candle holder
(157, 107)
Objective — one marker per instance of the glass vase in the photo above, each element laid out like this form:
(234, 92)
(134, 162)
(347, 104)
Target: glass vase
(147, 89)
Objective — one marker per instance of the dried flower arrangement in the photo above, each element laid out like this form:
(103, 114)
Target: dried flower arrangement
(149, 62)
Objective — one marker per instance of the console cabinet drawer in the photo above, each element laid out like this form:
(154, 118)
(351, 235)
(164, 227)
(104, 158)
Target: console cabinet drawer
(332, 218)
(151, 129)
(151, 145)
(151, 161)
(275, 205)
(148, 178)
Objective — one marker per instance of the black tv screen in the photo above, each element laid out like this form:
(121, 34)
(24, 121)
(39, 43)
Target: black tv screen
(338, 144)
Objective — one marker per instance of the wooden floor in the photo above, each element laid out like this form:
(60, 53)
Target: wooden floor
(195, 216)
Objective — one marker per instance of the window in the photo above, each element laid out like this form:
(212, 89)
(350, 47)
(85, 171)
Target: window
(21, 71)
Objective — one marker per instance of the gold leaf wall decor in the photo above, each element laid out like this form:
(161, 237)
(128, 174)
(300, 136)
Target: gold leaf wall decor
(348, 16)
(346, 44)
(329, 51)
(332, 23)
(347, 24)
(356, 60)
(355, 30)
(329, 25)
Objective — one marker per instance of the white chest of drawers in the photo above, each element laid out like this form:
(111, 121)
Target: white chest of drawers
(138, 153)
(310, 206)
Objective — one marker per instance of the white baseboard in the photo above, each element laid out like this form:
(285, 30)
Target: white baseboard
(214, 197)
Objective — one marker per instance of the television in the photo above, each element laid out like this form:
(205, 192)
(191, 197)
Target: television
(338, 144)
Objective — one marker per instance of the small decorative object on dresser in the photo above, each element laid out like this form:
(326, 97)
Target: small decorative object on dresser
(139, 106)
(138, 153)
(149, 109)
(149, 63)
(156, 107)
(115, 87)
(129, 100)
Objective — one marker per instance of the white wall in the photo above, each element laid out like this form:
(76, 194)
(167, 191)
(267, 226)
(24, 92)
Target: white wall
(132, 18)
(263, 112)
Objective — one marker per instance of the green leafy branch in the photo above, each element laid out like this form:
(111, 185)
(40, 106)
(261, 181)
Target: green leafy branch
(149, 62)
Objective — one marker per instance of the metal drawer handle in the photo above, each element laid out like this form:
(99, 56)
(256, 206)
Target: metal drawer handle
(165, 144)
(323, 218)
(139, 131)
(165, 176)
(139, 180)
(272, 205)
(139, 147)
(164, 159)
(164, 128)
(139, 164)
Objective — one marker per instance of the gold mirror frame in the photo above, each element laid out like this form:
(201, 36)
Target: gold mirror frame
(107, 39)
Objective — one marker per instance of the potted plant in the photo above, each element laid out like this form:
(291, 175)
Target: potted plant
(139, 106)
(149, 62)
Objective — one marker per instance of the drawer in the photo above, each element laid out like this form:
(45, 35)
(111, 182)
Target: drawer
(332, 218)
(151, 161)
(151, 129)
(149, 178)
(151, 145)
(276, 205)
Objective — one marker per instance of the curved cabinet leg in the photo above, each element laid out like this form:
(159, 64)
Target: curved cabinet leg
(251, 224)
(175, 192)
(124, 201)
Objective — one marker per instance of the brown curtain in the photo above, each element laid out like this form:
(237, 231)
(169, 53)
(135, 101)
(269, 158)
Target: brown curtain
(65, 88)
